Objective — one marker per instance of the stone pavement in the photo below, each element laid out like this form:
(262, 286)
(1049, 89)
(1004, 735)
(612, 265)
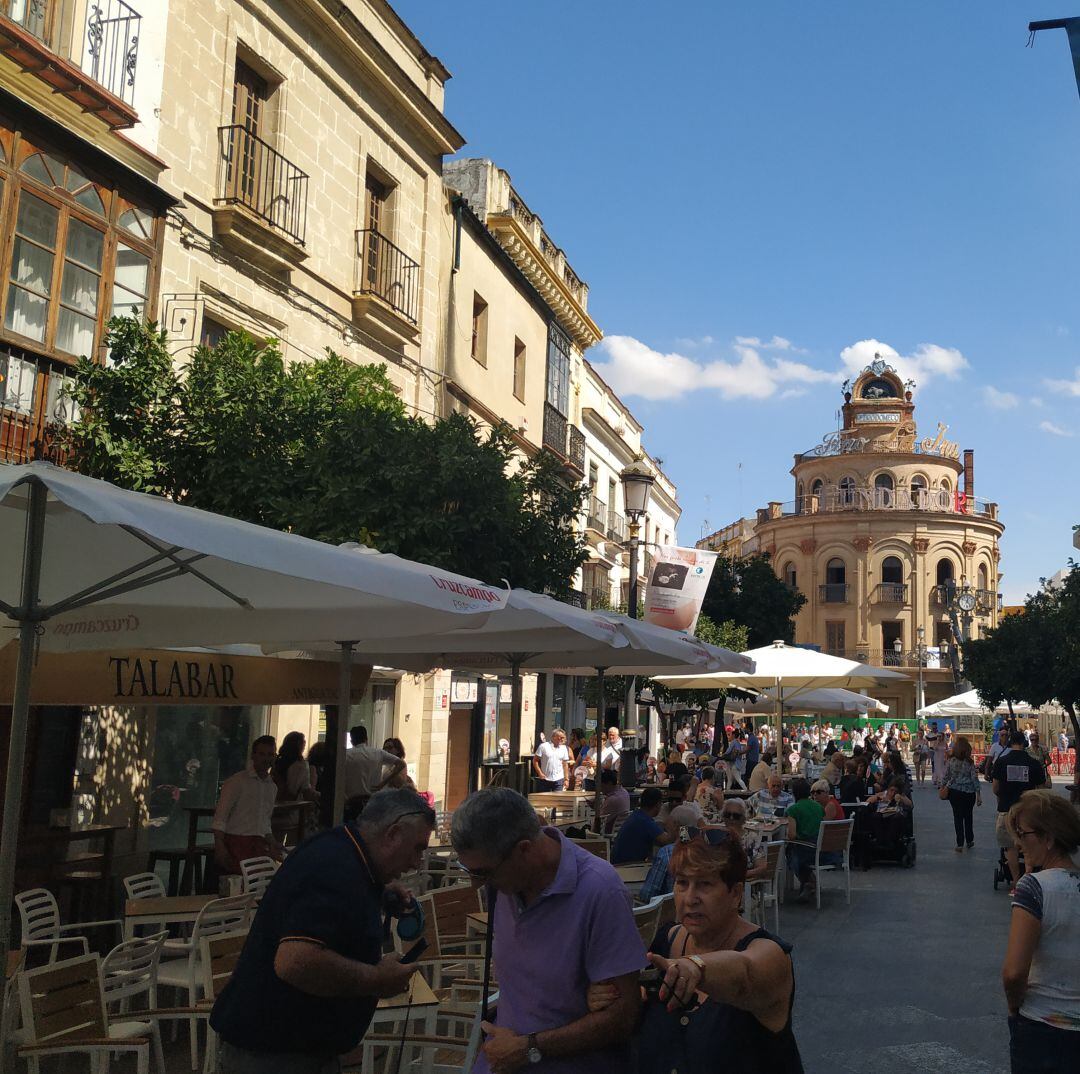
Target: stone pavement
(908, 977)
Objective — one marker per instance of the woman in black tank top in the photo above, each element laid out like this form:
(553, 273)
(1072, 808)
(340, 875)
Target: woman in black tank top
(728, 986)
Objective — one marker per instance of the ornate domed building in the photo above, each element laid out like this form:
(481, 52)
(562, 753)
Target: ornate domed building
(887, 541)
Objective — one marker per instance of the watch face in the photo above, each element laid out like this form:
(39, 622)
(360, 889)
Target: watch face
(966, 601)
(533, 1055)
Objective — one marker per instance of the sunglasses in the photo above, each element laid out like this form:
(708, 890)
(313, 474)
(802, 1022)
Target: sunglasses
(713, 836)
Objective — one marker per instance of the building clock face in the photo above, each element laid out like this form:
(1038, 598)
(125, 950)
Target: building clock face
(966, 602)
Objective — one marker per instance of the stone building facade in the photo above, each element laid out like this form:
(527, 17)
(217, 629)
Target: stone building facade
(882, 522)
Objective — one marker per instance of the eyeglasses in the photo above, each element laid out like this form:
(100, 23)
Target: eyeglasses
(1020, 833)
(713, 836)
(484, 875)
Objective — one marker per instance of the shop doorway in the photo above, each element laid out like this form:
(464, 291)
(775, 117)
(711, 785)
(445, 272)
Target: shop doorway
(458, 748)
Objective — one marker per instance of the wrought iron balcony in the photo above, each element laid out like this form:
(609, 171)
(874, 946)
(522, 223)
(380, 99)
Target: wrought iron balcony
(555, 426)
(890, 593)
(833, 593)
(385, 270)
(576, 451)
(258, 177)
(597, 516)
(616, 526)
(99, 39)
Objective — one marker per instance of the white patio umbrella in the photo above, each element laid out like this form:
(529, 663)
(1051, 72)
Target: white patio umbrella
(790, 671)
(826, 702)
(101, 566)
(963, 704)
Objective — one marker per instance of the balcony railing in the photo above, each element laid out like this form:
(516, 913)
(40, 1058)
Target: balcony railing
(257, 176)
(597, 516)
(834, 499)
(576, 451)
(890, 658)
(385, 270)
(554, 431)
(104, 45)
(986, 600)
(833, 593)
(890, 593)
(616, 526)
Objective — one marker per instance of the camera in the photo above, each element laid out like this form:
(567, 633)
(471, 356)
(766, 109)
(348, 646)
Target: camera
(410, 917)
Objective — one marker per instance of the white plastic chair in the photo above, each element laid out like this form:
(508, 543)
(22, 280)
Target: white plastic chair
(39, 919)
(144, 886)
(129, 972)
(63, 1013)
(257, 874)
(834, 836)
(768, 890)
(217, 917)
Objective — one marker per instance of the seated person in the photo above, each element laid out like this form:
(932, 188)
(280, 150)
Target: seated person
(822, 793)
(734, 818)
(892, 809)
(852, 785)
(834, 770)
(773, 800)
(759, 775)
(641, 831)
(709, 797)
(804, 817)
(616, 799)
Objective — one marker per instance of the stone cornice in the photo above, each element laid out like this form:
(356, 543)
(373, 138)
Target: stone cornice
(582, 329)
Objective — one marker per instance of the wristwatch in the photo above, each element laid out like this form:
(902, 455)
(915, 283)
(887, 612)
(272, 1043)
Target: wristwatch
(533, 1053)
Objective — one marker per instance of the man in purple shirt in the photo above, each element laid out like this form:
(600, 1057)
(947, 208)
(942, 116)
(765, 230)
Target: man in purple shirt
(562, 922)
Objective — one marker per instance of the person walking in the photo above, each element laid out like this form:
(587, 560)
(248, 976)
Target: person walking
(1039, 974)
(312, 969)
(961, 784)
(551, 763)
(1014, 772)
(938, 747)
(561, 921)
(245, 808)
(921, 754)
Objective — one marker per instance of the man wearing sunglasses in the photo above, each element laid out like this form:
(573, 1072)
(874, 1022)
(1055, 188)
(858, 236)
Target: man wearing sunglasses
(562, 921)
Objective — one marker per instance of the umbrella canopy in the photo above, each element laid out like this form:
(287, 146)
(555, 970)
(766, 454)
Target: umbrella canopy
(829, 702)
(965, 704)
(101, 566)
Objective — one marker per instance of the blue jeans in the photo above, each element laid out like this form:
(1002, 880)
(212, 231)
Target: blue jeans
(800, 858)
(1036, 1048)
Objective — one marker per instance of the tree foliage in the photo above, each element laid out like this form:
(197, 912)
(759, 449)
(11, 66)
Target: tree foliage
(325, 449)
(1033, 656)
(746, 591)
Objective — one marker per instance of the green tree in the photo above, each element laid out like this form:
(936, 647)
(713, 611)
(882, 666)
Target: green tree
(324, 449)
(747, 592)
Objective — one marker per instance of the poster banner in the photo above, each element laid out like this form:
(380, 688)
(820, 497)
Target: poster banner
(677, 586)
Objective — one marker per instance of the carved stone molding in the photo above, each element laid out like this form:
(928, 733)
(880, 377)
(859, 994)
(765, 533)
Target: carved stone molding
(808, 545)
(861, 544)
(969, 548)
(921, 544)
(997, 555)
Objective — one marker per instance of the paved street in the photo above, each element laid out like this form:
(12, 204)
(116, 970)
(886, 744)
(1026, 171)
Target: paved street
(906, 978)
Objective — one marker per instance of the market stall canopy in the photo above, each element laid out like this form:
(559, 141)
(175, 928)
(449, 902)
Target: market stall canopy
(792, 669)
(123, 568)
(968, 704)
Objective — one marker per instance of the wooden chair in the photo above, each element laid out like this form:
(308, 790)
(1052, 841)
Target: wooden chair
(186, 973)
(129, 973)
(597, 845)
(257, 874)
(616, 824)
(767, 891)
(667, 909)
(39, 919)
(834, 837)
(218, 958)
(63, 1012)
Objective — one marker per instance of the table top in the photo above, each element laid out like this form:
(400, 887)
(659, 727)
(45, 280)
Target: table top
(209, 810)
(87, 831)
(171, 904)
(418, 994)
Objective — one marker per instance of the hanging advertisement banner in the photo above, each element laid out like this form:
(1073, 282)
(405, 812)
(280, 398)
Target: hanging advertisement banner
(677, 586)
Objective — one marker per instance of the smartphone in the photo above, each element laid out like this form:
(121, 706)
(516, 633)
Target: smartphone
(414, 952)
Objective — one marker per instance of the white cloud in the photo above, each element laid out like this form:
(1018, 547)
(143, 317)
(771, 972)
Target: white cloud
(999, 400)
(694, 344)
(1068, 387)
(634, 368)
(1055, 430)
(1036, 400)
(926, 362)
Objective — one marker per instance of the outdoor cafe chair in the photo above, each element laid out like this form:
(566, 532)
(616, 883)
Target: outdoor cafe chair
(647, 920)
(129, 973)
(218, 958)
(597, 844)
(186, 973)
(63, 1013)
(257, 874)
(39, 920)
(768, 890)
(834, 836)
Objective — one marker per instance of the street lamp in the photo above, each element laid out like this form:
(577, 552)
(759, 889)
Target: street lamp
(637, 482)
(920, 656)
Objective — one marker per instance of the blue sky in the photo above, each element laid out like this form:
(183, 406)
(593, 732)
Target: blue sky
(809, 176)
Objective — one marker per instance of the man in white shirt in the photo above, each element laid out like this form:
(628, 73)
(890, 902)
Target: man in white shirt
(551, 763)
(364, 765)
(609, 757)
(242, 819)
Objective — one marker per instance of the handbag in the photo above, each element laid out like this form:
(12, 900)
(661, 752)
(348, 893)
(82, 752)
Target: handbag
(943, 792)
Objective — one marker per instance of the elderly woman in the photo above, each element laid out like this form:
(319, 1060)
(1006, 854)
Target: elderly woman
(709, 797)
(1042, 986)
(822, 793)
(773, 800)
(727, 986)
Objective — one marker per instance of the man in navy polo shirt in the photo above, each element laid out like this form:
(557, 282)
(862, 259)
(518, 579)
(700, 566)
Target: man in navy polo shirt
(641, 831)
(312, 969)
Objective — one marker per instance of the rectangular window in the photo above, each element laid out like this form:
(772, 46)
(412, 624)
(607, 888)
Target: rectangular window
(519, 370)
(478, 347)
(212, 332)
(18, 378)
(835, 640)
(32, 259)
(131, 282)
(558, 370)
(80, 286)
(892, 643)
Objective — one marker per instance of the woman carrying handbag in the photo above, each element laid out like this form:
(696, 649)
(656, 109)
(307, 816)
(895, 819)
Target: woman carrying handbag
(960, 787)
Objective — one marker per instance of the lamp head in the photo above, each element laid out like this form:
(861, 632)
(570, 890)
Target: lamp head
(637, 481)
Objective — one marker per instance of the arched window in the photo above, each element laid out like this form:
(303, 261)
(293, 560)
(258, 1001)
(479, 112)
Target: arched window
(984, 577)
(790, 576)
(847, 491)
(944, 571)
(884, 490)
(946, 485)
(816, 487)
(834, 591)
(918, 488)
(884, 481)
(892, 570)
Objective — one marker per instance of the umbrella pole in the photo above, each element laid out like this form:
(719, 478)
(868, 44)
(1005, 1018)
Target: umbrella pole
(598, 801)
(344, 707)
(779, 758)
(515, 720)
(29, 617)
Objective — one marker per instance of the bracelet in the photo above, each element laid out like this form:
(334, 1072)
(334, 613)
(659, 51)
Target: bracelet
(697, 961)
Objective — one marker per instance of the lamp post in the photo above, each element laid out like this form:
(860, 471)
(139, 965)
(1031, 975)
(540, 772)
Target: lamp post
(637, 482)
(920, 656)
(960, 600)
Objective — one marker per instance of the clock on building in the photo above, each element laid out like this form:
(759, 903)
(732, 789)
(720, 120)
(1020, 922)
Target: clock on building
(966, 602)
